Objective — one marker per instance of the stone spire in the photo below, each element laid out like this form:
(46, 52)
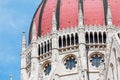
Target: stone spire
(23, 41)
(54, 22)
(109, 16)
(34, 33)
(11, 77)
(80, 17)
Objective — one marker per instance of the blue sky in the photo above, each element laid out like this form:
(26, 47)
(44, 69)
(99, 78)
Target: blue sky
(15, 17)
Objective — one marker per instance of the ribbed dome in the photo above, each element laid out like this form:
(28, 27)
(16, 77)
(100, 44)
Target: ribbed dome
(94, 12)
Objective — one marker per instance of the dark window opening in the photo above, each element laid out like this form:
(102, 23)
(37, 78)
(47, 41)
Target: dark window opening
(72, 39)
(100, 37)
(104, 37)
(95, 37)
(60, 42)
(39, 50)
(91, 37)
(48, 46)
(42, 48)
(64, 41)
(45, 47)
(76, 38)
(86, 37)
(68, 40)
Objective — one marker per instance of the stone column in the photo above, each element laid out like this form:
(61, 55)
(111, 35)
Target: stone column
(82, 53)
(82, 47)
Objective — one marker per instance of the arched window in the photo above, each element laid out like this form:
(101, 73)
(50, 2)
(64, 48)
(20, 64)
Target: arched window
(95, 37)
(70, 62)
(47, 68)
(72, 39)
(39, 50)
(45, 46)
(86, 37)
(64, 41)
(91, 37)
(96, 59)
(104, 37)
(68, 40)
(76, 38)
(100, 37)
(60, 42)
(42, 47)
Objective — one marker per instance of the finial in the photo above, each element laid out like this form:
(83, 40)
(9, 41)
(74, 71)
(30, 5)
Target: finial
(109, 16)
(80, 17)
(54, 22)
(23, 41)
(11, 77)
(34, 33)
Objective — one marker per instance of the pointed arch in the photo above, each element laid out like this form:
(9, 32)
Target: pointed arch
(91, 37)
(76, 38)
(68, 40)
(64, 41)
(72, 39)
(60, 42)
(100, 37)
(39, 49)
(104, 37)
(86, 37)
(42, 48)
(45, 47)
(95, 37)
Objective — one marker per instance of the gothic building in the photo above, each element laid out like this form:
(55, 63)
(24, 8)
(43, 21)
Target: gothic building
(73, 40)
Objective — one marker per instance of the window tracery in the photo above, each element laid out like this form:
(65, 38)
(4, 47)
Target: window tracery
(96, 60)
(70, 62)
(47, 68)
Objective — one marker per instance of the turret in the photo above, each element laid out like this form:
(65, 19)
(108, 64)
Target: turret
(11, 77)
(23, 41)
(23, 58)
